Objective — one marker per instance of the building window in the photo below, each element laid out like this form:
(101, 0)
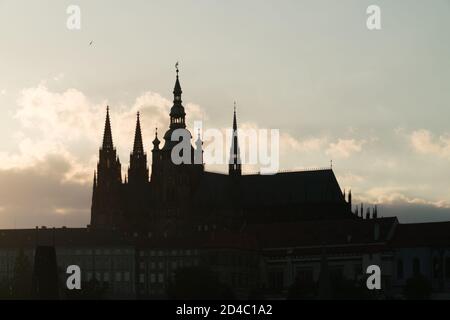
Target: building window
(416, 266)
(399, 269)
(276, 278)
(358, 270)
(304, 275)
(437, 270)
(118, 277)
(447, 267)
(336, 273)
(160, 277)
(142, 278)
(152, 278)
(127, 276)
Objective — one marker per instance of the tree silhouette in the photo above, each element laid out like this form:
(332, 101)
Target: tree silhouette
(198, 283)
(417, 287)
(22, 279)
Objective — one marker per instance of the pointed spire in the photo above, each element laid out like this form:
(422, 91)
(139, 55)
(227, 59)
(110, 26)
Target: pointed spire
(198, 155)
(177, 89)
(234, 118)
(235, 160)
(107, 135)
(156, 142)
(350, 198)
(177, 112)
(138, 147)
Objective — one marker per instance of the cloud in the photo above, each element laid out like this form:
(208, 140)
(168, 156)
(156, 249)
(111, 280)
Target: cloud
(344, 148)
(414, 213)
(312, 144)
(399, 195)
(40, 195)
(48, 175)
(424, 142)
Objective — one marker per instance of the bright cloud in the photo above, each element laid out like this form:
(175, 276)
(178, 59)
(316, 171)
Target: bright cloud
(344, 148)
(424, 142)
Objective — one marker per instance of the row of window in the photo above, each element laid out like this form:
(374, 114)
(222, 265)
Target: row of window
(107, 276)
(161, 253)
(174, 264)
(153, 278)
(97, 252)
(437, 272)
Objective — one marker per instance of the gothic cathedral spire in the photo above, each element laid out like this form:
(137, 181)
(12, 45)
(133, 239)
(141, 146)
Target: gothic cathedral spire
(138, 170)
(107, 135)
(105, 209)
(234, 167)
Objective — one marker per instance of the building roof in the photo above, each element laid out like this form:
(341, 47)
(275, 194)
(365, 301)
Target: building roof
(422, 234)
(342, 232)
(278, 191)
(30, 238)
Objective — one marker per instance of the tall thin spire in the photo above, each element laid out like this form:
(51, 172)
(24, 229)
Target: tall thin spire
(107, 135)
(138, 147)
(177, 89)
(234, 168)
(177, 113)
(234, 118)
(138, 170)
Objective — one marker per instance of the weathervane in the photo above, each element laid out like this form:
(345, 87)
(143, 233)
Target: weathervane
(176, 66)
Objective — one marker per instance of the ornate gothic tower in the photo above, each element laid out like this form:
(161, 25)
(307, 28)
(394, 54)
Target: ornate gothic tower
(234, 167)
(173, 183)
(106, 197)
(137, 212)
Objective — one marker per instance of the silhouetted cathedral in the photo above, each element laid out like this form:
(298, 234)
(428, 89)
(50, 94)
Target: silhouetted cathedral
(288, 235)
(184, 197)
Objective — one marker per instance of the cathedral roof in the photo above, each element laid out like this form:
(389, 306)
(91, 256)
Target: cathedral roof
(422, 234)
(319, 186)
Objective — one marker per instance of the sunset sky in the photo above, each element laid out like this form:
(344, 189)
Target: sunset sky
(377, 103)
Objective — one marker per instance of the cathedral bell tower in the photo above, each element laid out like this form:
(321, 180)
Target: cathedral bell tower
(173, 183)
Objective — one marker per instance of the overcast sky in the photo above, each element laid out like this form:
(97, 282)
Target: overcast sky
(375, 102)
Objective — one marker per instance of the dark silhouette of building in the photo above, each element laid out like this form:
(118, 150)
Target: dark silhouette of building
(291, 234)
(183, 197)
(45, 274)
